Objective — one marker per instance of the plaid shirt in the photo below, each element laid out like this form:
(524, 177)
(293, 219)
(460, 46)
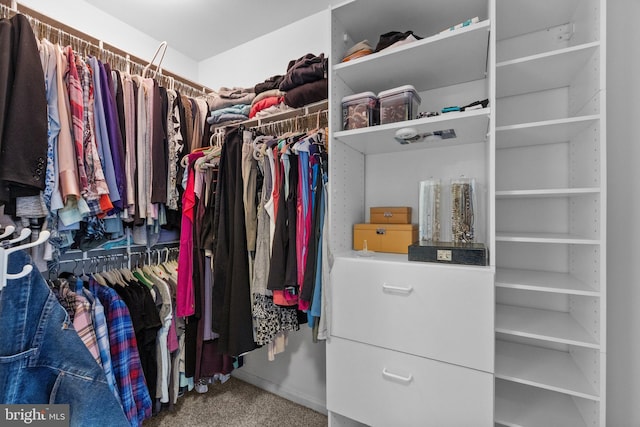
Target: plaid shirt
(102, 335)
(79, 310)
(125, 359)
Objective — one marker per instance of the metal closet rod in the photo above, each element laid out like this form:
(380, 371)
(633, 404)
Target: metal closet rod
(85, 40)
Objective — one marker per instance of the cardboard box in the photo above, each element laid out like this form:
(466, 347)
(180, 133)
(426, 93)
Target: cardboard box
(390, 215)
(392, 238)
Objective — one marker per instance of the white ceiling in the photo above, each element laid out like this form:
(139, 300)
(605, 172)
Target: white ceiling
(201, 29)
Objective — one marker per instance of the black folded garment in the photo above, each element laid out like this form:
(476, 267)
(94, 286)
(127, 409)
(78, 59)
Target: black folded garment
(269, 84)
(392, 37)
(307, 93)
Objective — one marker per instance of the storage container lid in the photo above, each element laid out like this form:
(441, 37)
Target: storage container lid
(399, 90)
(358, 96)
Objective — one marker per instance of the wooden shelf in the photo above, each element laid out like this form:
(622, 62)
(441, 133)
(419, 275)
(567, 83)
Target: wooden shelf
(399, 66)
(544, 132)
(554, 326)
(545, 238)
(542, 281)
(469, 126)
(548, 369)
(543, 71)
(518, 405)
(546, 193)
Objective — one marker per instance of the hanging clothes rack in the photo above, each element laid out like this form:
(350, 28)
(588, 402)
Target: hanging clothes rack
(311, 116)
(57, 32)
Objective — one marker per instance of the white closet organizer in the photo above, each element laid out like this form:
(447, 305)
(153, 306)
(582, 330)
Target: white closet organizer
(411, 343)
(550, 213)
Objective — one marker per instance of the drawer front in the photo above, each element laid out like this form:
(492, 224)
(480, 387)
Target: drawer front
(380, 387)
(440, 312)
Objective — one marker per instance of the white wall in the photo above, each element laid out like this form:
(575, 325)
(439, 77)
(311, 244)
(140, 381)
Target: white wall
(299, 373)
(623, 139)
(259, 59)
(96, 23)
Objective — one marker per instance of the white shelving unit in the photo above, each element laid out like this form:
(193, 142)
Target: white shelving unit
(550, 213)
(417, 330)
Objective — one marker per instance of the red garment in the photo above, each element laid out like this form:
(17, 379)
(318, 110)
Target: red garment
(76, 107)
(267, 102)
(185, 295)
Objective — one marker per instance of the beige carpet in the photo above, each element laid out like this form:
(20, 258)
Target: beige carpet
(236, 404)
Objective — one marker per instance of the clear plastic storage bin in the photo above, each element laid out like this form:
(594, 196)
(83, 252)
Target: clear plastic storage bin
(398, 104)
(360, 110)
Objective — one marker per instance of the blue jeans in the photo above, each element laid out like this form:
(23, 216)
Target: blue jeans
(43, 360)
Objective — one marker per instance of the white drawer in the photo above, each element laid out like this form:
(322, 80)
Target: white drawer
(434, 311)
(380, 387)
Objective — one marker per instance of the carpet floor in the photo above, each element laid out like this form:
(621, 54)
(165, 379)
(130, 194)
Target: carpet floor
(236, 404)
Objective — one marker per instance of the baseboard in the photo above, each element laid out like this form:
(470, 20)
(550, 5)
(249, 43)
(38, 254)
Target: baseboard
(284, 392)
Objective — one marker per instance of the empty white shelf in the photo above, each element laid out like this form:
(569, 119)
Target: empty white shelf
(539, 16)
(549, 369)
(544, 132)
(542, 281)
(545, 238)
(551, 192)
(554, 326)
(518, 405)
(544, 71)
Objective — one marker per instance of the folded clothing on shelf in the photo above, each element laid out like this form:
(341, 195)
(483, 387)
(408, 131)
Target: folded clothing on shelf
(358, 50)
(395, 38)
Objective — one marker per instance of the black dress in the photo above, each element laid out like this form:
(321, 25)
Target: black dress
(231, 293)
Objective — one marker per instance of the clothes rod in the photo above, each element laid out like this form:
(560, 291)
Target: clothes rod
(316, 107)
(84, 39)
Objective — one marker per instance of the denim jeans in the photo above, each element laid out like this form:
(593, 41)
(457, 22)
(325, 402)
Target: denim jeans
(43, 360)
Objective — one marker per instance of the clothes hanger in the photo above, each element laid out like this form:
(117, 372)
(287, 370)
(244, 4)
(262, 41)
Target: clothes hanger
(126, 272)
(96, 275)
(8, 231)
(142, 275)
(4, 255)
(163, 46)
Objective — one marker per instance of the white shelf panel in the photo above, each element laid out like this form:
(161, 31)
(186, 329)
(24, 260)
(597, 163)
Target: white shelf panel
(469, 126)
(382, 257)
(549, 369)
(542, 281)
(395, 67)
(543, 71)
(518, 405)
(544, 132)
(366, 19)
(545, 193)
(545, 238)
(518, 17)
(546, 325)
